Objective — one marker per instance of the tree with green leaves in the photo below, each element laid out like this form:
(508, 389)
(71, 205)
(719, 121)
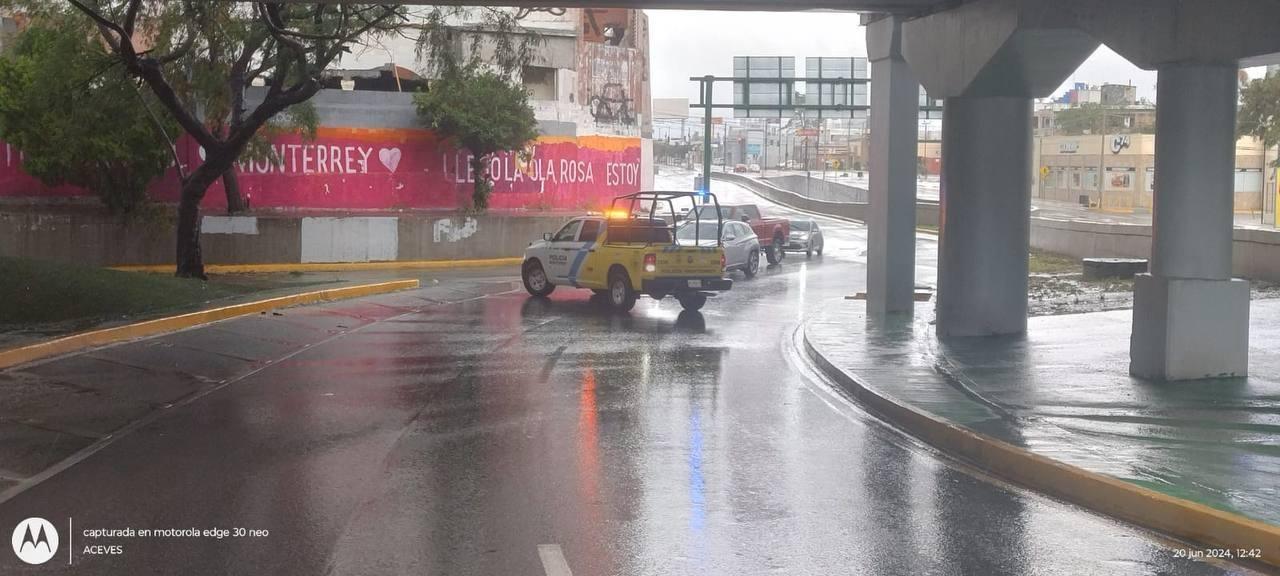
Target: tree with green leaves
(78, 117)
(288, 45)
(197, 57)
(1087, 119)
(1259, 114)
(482, 111)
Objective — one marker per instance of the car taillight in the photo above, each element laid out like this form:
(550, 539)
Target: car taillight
(650, 262)
(722, 262)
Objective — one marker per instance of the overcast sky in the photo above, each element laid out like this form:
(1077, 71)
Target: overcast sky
(686, 43)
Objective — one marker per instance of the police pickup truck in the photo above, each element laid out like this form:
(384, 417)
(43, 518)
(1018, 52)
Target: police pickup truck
(630, 250)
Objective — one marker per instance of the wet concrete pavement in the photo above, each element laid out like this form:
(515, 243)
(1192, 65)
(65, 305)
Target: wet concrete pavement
(500, 434)
(1064, 391)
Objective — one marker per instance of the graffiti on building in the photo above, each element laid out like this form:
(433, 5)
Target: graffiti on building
(612, 104)
(606, 25)
(611, 83)
(445, 230)
(391, 169)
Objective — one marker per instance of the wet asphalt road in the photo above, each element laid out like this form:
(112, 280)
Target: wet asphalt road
(503, 435)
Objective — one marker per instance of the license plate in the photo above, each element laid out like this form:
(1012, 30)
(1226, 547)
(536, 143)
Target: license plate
(695, 283)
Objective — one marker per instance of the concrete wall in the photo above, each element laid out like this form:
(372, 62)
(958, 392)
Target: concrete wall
(819, 189)
(1091, 239)
(93, 238)
(926, 212)
(1255, 253)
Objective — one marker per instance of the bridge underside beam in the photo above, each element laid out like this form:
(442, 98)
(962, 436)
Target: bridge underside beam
(903, 7)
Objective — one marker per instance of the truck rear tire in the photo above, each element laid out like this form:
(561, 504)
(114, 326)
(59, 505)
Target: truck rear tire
(774, 252)
(621, 296)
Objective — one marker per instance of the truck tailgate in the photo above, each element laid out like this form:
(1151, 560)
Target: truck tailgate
(690, 261)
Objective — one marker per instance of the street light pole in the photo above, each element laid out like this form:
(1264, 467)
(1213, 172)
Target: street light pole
(1102, 157)
(707, 83)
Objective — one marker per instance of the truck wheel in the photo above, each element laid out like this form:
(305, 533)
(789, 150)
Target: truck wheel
(621, 296)
(692, 302)
(753, 264)
(535, 279)
(774, 252)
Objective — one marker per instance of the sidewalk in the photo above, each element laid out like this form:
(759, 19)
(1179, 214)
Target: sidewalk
(257, 287)
(1063, 391)
(1072, 211)
(52, 408)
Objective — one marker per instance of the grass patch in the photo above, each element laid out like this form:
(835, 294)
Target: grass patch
(38, 292)
(1049, 263)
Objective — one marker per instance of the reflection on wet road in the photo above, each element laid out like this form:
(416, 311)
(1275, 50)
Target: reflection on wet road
(503, 434)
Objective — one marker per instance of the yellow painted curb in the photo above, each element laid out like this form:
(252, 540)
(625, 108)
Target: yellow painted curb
(331, 266)
(1162, 513)
(76, 342)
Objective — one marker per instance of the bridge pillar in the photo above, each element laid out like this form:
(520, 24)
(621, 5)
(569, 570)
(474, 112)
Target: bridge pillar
(1190, 318)
(987, 60)
(986, 211)
(891, 218)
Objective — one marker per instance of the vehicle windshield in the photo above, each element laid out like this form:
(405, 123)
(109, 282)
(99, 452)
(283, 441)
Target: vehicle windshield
(703, 231)
(801, 225)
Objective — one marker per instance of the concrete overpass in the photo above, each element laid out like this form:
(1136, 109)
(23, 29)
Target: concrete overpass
(988, 60)
(904, 7)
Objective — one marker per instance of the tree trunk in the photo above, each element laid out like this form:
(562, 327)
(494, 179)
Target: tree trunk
(189, 258)
(482, 187)
(231, 185)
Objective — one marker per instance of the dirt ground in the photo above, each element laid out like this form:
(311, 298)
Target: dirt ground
(1057, 286)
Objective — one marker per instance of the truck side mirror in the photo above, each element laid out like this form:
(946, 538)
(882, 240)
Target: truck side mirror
(546, 236)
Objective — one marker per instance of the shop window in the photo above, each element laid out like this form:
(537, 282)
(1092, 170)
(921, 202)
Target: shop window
(1248, 181)
(1120, 180)
(540, 82)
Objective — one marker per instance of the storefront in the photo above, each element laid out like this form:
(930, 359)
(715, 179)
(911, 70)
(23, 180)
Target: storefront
(1117, 172)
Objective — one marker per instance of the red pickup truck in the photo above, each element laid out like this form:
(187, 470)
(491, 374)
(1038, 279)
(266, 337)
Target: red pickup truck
(773, 232)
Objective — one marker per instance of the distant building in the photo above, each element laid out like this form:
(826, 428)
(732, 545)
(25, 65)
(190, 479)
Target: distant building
(1119, 95)
(1068, 168)
(386, 78)
(9, 26)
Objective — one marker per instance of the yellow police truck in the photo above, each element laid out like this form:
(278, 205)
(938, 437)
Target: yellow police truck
(633, 249)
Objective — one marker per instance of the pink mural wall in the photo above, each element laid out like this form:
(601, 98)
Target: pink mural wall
(383, 169)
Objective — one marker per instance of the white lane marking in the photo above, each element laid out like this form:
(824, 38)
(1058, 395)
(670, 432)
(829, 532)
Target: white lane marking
(553, 561)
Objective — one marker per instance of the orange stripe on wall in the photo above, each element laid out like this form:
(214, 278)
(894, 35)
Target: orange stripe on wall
(594, 142)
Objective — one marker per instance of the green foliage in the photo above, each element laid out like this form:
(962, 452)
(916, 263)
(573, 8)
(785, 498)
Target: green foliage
(482, 111)
(1078, 120)
(668, 150)
(1259, 114)
(77, 117)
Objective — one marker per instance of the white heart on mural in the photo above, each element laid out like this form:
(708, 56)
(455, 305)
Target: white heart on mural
(202, 153)
(390, 158)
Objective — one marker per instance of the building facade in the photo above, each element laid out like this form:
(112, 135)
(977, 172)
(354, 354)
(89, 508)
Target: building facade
(1116, 172)
(589, 87)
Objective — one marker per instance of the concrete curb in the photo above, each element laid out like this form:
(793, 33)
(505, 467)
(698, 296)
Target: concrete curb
(330, 266)
(83, 340)
(1149, 509)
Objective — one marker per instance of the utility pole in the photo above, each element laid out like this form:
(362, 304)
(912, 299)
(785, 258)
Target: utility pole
(707, 83)
(1102, 157)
